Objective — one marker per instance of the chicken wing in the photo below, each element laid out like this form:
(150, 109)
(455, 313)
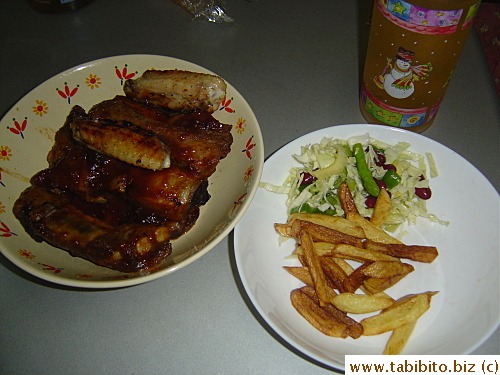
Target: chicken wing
(178, 90)
(124, 141)
(196, 140)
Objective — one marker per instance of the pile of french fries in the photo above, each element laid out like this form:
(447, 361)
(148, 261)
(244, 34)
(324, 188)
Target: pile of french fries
(334, 288)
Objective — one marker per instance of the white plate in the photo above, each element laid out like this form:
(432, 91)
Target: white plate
(27, 135)
(465, 312)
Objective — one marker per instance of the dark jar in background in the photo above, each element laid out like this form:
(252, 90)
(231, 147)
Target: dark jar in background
(413, 48)
(57, 6)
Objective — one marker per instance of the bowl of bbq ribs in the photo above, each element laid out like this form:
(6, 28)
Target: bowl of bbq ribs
(122, 170)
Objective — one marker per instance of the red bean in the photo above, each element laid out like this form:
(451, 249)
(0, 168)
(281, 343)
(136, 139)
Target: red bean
(370, 201)
(381, 184)
(307, 178)
(381, 158)
(390, 166)
(423, 193)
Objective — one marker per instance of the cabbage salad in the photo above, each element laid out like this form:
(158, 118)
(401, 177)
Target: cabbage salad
(366, 165)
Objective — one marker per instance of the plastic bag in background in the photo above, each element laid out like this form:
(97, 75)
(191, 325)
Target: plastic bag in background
(212, 10)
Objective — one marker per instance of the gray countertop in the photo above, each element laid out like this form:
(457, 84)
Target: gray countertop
(297, 64)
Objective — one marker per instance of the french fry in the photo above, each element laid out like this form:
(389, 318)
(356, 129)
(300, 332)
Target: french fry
(283, 229)
(317, 316)
(382, 275)
(334, 272)
(360, 303)
(382, 269)
(346, 200)
(372, 232)
(404, 311)
(324, 249)
(382, 208)
(346, 267)
(355, 279)
(425, 254)
(355, 329)
(325, 244)
(399, 338)
(355, 253)
(315, 269)
(324, 234)
(333, 222)
(376, 286)
(301, 273)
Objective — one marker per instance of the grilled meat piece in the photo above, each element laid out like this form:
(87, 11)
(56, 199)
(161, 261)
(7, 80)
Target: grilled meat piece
(123, 141)
(196, 140)
(178, 90)
(126, 178)
(126, 248)
(170, 193)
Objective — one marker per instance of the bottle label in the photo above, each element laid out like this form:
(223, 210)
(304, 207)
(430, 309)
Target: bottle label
(390, 115)
(410, 60)
(425, 21)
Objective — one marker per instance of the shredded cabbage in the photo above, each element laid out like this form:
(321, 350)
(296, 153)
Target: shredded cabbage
(313, 186)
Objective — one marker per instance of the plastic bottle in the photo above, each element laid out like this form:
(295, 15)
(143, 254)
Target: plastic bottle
(413, 48)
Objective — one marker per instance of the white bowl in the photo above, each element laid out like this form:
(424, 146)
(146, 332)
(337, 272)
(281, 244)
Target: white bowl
(466, 273)
(23, 150)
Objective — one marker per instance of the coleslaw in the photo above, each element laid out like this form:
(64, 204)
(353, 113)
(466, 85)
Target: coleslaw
(366, 165)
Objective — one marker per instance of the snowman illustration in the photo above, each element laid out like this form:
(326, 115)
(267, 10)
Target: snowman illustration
(397, 79)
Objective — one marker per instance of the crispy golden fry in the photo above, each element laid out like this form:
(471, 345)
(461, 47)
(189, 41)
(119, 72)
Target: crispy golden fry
(333, 222)
(372, 232)
(302, 259)
(375, 277)
(324, 249)
(382, 208)
(323, 234)
(425, 254)
(404, 311)
(283, 229)
(301, 273)
(383, 269)
(355, 279)
(376, 286)
(382, 275)
(313, 262)
(324, 244)
(355, 328)
(355, 253)
(317, 316)
(346, 200)
(334, 272)
(360, 303)
(346, 267)
(399, 338)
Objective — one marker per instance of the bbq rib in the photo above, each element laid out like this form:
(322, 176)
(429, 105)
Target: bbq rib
(123, 180)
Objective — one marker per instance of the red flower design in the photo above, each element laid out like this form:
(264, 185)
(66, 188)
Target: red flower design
(248, 147)
(5, 230)
(19, 127)
(67, 93)
(239, 202)
(124, 74)
(225, 105)
(51, 268)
